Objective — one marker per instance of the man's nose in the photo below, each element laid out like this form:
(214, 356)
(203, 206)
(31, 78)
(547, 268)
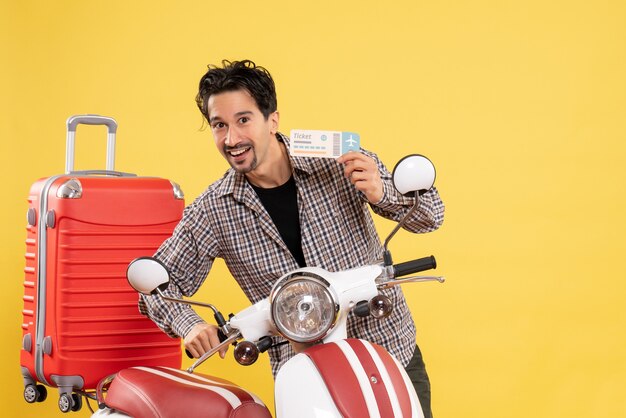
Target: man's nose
(232, 137)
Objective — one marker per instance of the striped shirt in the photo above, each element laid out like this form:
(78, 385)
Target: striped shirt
(228, 221)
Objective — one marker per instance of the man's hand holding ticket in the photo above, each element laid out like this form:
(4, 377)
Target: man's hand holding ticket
(358, 167)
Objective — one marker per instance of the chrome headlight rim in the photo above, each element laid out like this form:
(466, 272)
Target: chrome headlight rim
(303, 276)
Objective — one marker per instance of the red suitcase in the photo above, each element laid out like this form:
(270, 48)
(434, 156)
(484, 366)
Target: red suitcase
(81, 321)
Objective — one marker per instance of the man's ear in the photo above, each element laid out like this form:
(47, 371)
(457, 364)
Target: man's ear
(274, 119)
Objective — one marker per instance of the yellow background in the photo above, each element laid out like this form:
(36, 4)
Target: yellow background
(520, 105)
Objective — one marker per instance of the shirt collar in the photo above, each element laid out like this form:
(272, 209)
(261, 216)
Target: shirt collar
(302, 164)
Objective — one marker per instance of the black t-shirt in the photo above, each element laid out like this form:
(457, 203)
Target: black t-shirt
(282, 205)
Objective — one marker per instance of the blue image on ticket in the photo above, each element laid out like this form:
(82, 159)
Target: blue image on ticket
(349, 142)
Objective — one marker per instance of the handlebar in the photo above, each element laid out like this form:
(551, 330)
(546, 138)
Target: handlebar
(414, 266)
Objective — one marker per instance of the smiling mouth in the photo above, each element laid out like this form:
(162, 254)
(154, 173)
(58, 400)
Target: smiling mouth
(238, 154)
(238, 151)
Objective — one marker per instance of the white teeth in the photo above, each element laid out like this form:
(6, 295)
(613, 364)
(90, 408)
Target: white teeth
(235, 153)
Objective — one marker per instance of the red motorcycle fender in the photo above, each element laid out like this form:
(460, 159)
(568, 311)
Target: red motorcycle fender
(360, 379)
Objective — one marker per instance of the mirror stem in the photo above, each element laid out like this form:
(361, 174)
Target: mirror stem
(387, 255)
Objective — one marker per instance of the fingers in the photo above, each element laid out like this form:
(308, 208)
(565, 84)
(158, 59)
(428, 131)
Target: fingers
(363, 174)
(197, 340)
(215, 341)
(201, 339)
(356, 161)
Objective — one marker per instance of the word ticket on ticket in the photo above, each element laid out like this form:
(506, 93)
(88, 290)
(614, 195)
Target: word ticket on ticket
(322, 144)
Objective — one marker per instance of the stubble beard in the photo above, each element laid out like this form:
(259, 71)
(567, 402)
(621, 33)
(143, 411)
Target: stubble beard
(244, 169)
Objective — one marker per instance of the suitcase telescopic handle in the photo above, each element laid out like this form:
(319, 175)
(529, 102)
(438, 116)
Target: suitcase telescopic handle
(73, 122)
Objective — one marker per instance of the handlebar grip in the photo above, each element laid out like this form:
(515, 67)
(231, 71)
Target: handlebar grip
(362, 309)
(414, 266)
(264, 344)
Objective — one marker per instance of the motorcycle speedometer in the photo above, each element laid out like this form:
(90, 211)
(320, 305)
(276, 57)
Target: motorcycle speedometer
(303, 307)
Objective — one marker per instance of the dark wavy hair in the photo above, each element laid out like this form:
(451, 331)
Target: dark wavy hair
(238, 75)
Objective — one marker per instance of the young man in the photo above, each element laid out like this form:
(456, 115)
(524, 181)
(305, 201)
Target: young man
(272, 213)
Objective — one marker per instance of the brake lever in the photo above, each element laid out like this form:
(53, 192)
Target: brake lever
(214, 350)
(412, 279)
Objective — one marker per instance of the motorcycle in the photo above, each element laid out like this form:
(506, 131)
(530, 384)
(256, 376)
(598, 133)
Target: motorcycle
(334, 377)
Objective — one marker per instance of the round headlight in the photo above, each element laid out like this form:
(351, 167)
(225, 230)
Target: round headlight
(303, 308)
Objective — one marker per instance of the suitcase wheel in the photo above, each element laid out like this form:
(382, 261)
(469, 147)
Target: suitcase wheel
(70, 402)
(34, 393)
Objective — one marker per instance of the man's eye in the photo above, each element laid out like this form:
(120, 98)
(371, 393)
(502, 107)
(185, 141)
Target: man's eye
(244, 119)
(218, 125)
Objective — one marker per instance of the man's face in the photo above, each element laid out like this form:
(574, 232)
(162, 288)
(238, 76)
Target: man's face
(241, 132)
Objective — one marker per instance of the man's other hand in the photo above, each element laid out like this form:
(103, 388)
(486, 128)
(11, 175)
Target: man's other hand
(201, 339)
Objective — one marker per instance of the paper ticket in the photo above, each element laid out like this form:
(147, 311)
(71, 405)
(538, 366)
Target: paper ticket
(322, 144)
